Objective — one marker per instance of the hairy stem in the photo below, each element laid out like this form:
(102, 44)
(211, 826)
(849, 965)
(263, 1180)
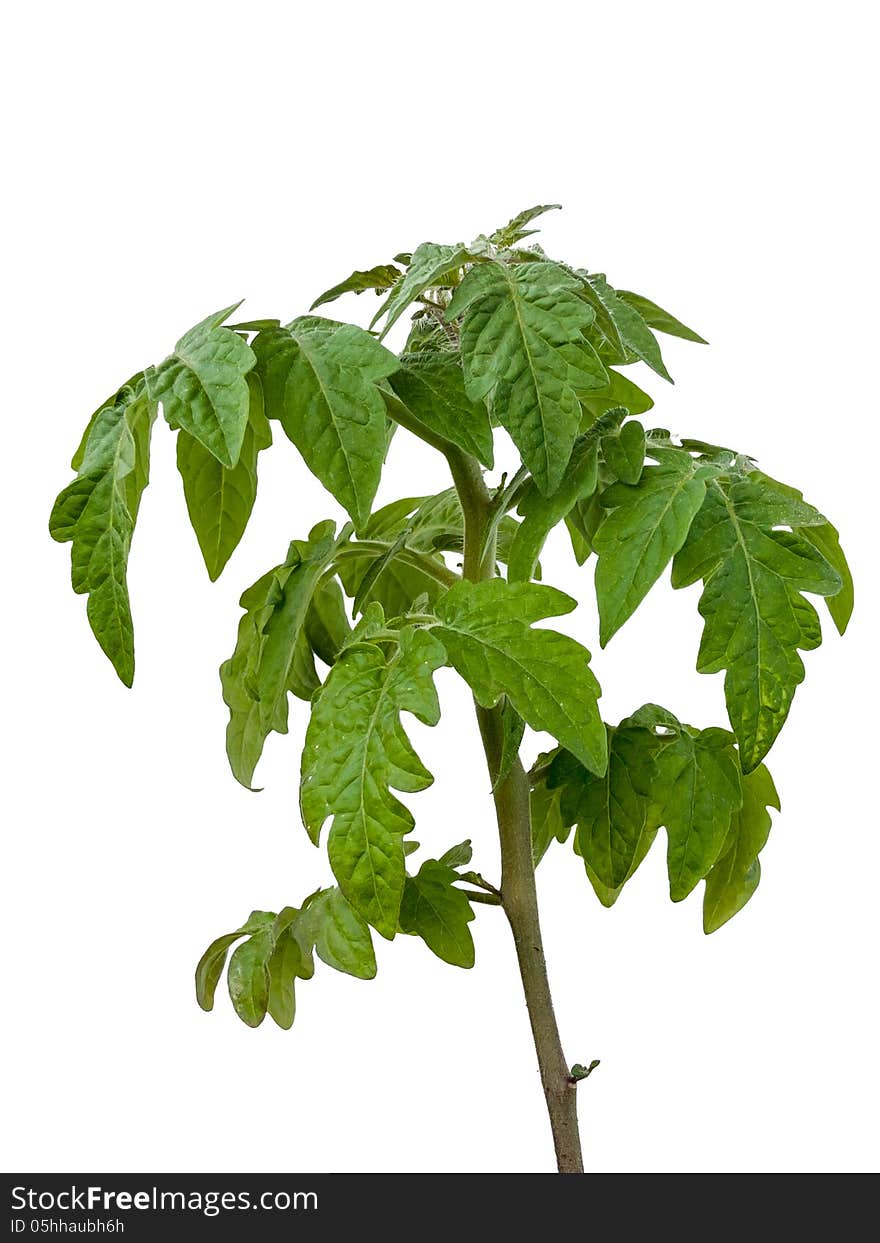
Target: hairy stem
(519, 895)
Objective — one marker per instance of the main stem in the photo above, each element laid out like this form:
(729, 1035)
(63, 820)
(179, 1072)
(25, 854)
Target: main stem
(519, 895)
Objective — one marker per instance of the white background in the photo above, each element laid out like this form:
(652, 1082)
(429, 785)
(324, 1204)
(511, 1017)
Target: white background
(166, 159)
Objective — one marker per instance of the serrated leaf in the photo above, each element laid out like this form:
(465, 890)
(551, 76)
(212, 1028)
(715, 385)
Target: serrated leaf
(220, 499)
(430, 265)
(339, 936)
(248, 977)
(734, 878)
(524, 352)
(97, 513)
(381, 277)
(433, 909)
(257, 677)
(515, 230)
(755, 618)
(202, 386)
(541, 513)
(655, 317)
(355, 751)
(624, 452)
(646, 524)
(486, 630)
(320, 382)
(431, 386)
(612, 812)
(698, 792)
(628, 327)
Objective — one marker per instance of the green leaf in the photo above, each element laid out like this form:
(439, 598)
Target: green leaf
(612, 812)
(431, 265)
(646, 525)
(624, 452)
(524, 352)
(515, 230)
(327, 625)
(355, 751)
(755, 617)
(431, 386)
(698, 793)
(97, 513)
(734, 878)
(219, 499)
(248, 977)
(285, 964)
(512, 729)
(202, 386)
(486, 630)
(433, 909)
(541, 513)
(381, 277)
(628, 327)
(268, 652)
(619, 391)
(320, 381)
(338, 934)
(655, 317)
(547, 822)
(458, 856)
(211, 963)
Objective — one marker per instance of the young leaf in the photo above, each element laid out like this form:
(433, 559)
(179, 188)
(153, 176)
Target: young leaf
(629, 329)
(435, 910)
(486, 630)
(355, 751)
(457, 856)
(755, 617)
(655, 317)
(257, 677)
(646, 525)
(515, 230)
(524, 352)
(319, 380)
(624, 451)
(202, 386)
(97, 513)
(381, 277)
(430, 265)
(219, 499)
(339, 936)
(734, 878)
(432, 387)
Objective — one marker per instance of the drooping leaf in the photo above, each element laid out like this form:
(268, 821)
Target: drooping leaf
(320, 382)
(283, 967)
(327, 625)
(755, 617)
(355, 751)
(627, 328)
(486, 630)
(248, 977)
(612, 812)
(541, 513)
(202, 386)
(655, 317)
(211, 963)
(515, 230)
(431, 386)
(430, 265)
(524, 352)
(97, 513)
(734, 878)
(381, 277)
(435, 910)
(219, 499)
(646, 524)
(339, 936)
(257, 677)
